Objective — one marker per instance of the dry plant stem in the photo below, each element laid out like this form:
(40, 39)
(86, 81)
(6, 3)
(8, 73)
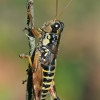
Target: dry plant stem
(31, 39)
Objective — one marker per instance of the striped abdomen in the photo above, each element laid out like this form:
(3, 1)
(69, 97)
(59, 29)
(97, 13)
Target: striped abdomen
(48, 76)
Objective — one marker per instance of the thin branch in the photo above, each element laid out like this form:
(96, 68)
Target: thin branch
(31, 39)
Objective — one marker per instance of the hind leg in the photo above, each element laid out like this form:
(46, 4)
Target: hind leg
(53, 92)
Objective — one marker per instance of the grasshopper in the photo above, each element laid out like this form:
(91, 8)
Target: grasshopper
(43, 61)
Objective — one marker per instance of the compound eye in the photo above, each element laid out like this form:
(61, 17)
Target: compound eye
(57, 25)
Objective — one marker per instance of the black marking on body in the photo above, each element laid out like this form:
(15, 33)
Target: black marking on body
(48, 74)
(52, 37)
(46, 86)
(43, 96)
(53, 61)
(48, 68)
(47, 80)
(44, 91)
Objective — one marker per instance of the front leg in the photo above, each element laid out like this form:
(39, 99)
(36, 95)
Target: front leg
(33, 29)
(35, 62)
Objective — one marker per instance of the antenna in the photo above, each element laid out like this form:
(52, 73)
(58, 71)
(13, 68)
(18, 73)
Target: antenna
(65, 8)
(56, 9)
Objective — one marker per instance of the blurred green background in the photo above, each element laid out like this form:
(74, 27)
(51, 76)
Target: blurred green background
(78, 64)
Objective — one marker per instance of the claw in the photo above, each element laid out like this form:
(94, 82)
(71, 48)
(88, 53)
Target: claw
(25, 29)
(22, 55)
(23, 81)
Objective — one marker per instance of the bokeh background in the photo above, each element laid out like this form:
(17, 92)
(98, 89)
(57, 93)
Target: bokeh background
(78, 64)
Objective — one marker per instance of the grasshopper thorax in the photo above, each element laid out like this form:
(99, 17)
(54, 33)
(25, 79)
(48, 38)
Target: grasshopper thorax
(51, 34)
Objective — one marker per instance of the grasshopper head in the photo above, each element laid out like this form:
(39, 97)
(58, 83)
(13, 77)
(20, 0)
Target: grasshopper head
(53, 26)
